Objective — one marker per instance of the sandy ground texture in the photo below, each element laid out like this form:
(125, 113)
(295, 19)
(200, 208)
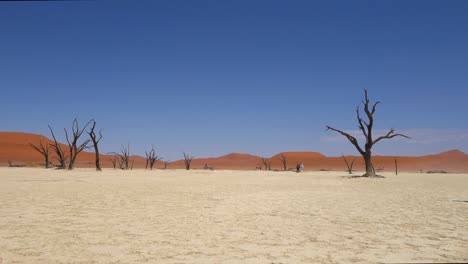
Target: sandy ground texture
(83, 216)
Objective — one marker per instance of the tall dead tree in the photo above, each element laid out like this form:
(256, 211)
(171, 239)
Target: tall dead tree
(284, 160)
(366, 126)
(124, 157)
(348, 165)
(95, 140)
(151, 158)
(42, 148)
(59, 152)
(187, 160)
(73, 146)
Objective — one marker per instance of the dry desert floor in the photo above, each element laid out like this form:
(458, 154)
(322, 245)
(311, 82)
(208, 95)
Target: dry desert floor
(176, 216)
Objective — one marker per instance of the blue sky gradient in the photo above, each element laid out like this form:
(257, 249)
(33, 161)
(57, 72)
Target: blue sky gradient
(213, 77)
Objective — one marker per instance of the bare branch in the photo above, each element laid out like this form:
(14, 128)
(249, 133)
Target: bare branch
(351, 139)
(389, 135)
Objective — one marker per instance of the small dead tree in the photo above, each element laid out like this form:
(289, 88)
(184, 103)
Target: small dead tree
(284, 160)
(95, 140)
(151, 158)
(187, 160)
(366, 127)
(165, 164)
(396, 166)
(59, 152)
(266, 163)
(42, 148)
(73, 146)
(123, 158)
(348, 165)
(114, 160)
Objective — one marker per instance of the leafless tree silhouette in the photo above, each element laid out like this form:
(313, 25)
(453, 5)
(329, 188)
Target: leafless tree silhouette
(284, 160)
(124, 157)
(187, 160)
(74, 147)
(151, 158)
(266, 163)
(366, 129)
(59, 152)
(95, 140)
(348, 165)
(114, 160)
(165, 164)
(42, 148)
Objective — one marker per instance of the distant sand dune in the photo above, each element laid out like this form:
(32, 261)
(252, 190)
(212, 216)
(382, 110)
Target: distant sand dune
(177, 216)
(15, 147)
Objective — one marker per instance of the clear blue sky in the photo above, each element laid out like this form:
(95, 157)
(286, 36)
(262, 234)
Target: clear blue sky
(260, 77)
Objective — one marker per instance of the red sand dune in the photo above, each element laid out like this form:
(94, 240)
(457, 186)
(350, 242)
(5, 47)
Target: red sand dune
(15, 147)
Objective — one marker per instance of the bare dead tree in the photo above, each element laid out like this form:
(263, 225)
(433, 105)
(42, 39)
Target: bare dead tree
(284, 160)
(366, 129)
(187, 160)
(124, 157)
(266, 163)
(74, 147)
(95, 140)
(396, 166)
(151, 158)
(348, 165)
(42, 148)
(165, 164)
(59, 152)
(114, 160)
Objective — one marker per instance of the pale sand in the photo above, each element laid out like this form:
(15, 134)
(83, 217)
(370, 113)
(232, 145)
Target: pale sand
(49, 216)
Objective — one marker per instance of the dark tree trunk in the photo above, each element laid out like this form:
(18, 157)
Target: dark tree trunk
(95, 141)
(98, 165)
(370, 171)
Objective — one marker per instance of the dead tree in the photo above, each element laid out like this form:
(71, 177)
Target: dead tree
(114, 161)
(366, 129)
(266, 163)
(73, 146)
(151, 158)
(284, 160)
(165, 164)
(59, 152)
(124, 157)
(95, 140)
(44, 150)
(396, 167)
(348, 165)
(187, 160)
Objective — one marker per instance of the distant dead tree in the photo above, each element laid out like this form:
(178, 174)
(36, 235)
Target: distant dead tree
(396, 166)
(95, 140)
(42, 148)
(266, 163)
(165, 164)
(187, 160)
(123, 158)
(284, 160)
(11, 165)
(114, 160)
(59, 152)
(74, 147)
(366, 129)
(151, 158)
(348, 165)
